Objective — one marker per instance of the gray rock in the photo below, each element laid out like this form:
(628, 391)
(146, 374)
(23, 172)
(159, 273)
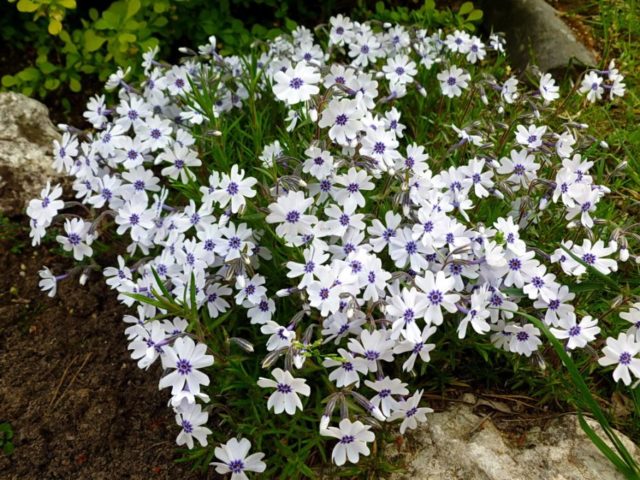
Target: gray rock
(458, 444)
(26, 136)
(536, 34)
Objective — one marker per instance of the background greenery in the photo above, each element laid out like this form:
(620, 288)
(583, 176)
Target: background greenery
(58, 48)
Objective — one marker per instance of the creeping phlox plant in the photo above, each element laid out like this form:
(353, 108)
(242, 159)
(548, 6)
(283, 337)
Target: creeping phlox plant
(340, 203)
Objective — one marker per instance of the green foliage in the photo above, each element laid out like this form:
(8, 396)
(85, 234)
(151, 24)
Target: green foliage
(104, 40)
(6, 438)
(73, 48)
(53, 10)
(427, 15)
(91, 44)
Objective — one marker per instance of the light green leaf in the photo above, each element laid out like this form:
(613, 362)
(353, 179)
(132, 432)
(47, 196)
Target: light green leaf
(29, 74)
(132, 7)
(46, 67)
(160, 22)
(27, 6)
(475, 16)
(465, 8)
(92, 41)
(68, 4)
(160, 7)
(55, 26)
(75, 85)
(51, 83)
(64, 36)
(8, 81)
(126, 38)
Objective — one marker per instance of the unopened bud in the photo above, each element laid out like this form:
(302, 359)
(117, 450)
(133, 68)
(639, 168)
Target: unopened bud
(377, 413)
(617, 301)
(620, 168)
(324, 424)
(272, 357)
(543, 203)
(624, 254)
(331, 405)
(243, 344)
(298, 360)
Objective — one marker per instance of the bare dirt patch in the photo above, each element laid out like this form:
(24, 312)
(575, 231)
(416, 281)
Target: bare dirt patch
(79, 407)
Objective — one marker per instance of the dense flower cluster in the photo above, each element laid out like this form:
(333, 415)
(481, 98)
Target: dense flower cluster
(386, 244)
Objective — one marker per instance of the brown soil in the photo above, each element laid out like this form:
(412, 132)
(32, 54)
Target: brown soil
(79, 407)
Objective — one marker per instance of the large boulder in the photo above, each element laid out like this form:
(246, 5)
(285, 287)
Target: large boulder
(459, 444)
(536, 34)
(26, 136)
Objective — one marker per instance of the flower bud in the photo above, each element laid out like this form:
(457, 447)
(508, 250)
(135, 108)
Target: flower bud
(617, 301)
(285, 292)
(324, 423)
(624, 254)
(272, 357)
(243, 344)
